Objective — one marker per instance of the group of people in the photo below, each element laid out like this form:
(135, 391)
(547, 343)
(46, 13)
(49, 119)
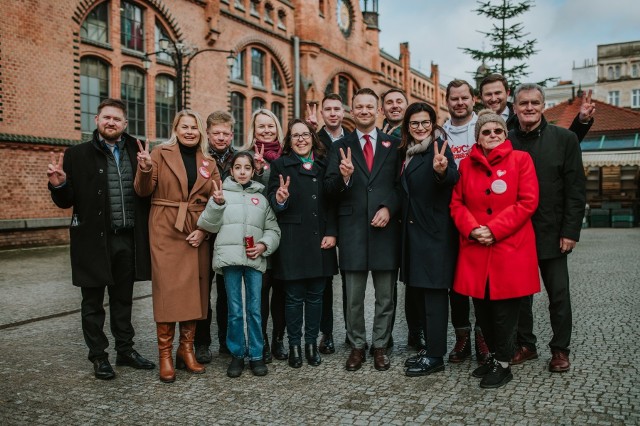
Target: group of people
(480, 207)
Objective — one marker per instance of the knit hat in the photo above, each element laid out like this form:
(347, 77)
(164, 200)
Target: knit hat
(488, 116)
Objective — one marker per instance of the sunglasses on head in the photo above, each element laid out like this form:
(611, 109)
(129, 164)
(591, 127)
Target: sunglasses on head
(497, 131)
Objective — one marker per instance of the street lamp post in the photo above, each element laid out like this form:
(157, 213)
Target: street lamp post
(181, 56)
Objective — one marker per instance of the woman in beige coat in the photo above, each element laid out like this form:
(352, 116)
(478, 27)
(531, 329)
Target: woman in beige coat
(178, 175)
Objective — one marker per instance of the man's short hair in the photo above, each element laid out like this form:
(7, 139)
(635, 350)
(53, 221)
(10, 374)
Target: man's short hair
(392, 90)
(458, 83)
(220, 117)
(528, 86)
(492, 78)
(333, 97)
(115, 103)
(365, 91)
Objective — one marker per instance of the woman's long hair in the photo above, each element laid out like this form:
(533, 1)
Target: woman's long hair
(251, 140)
(415, 108)
(204, 142)
(317, 147)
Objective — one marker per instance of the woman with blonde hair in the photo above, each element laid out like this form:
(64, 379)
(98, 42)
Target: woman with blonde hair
(179, 176)
(265, 139)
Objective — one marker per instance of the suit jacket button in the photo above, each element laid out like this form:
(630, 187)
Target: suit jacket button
(314, 196)
(100, 171)
(99, 191)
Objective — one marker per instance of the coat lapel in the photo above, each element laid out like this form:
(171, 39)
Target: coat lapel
(357, 156)
(383, 148)
(200, 165)
(171, 156)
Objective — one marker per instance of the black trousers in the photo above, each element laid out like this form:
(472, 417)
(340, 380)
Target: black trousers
(435, 317)
(414, 309)
(276, 288)
(203, 327)
(326, 321)
(121, 254)
(303, 304)
(555, 277)
(460, 308)
(498, 320)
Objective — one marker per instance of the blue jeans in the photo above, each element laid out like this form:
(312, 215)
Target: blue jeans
(236, 341)
(305, 294)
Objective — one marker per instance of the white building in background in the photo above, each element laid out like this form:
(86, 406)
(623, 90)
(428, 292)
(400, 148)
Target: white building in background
(582, 78)
(619, 74)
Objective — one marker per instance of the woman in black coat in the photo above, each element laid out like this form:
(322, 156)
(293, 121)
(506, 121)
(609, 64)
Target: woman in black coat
(429, 243)
(307, 254)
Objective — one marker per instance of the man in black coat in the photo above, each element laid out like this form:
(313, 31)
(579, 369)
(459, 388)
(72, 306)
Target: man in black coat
(363, 175)
(557, 221)
(109, 232)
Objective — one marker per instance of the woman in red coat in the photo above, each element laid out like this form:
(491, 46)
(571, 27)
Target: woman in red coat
(492, 205)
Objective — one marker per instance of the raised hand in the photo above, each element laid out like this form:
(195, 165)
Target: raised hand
(282, 194)
(587, 109)
(258, 158)
(440, 162)
(144, 159)
(312, 116)
(218, 195)
(346, 166)
(56, 175)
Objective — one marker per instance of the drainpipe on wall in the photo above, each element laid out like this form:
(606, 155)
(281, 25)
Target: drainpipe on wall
(296, 76)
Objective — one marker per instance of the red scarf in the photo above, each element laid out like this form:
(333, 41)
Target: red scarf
(272, 150)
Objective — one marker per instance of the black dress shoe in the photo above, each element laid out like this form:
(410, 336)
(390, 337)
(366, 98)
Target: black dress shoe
(312, 354)
(295, 356)
(326, 345)
(424, 366)
(135, 360)
(103, 370)
(278, 350)
(413, 359)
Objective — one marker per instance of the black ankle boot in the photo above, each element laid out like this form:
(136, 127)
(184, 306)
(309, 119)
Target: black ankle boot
(312, 354)
(278, 350)
(295, 356)
(266, 350)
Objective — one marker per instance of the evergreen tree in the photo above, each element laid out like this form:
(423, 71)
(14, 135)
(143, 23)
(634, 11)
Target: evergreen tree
(508, 47)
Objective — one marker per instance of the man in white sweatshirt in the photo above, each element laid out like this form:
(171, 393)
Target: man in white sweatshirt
(461, 136)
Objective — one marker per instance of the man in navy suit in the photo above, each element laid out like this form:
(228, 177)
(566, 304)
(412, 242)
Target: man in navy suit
(363, 176)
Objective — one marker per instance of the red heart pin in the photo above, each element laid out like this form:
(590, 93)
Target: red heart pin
(255, 201)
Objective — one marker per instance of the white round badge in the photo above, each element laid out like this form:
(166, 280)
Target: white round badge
(499, 186)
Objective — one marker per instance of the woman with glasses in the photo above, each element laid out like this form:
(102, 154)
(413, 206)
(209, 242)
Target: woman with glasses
(497, 265)
(307, 254)
(429, 237)
(265, 141)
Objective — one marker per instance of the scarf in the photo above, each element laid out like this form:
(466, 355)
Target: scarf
(272, 150)
(418, 148)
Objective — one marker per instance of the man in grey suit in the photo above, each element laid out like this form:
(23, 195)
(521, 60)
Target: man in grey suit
(363, 176)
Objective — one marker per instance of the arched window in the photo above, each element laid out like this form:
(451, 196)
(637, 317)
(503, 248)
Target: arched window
(257, 67)
(634, 70)
(132, 26)
(94, 87)
(610, 73)
(343, 85)
(278, 109)
(617, 73)
(160, 34)
(96, 26)
(238, 111)
(237, 71)
(276, 80)
(165, 105)
(133, 95)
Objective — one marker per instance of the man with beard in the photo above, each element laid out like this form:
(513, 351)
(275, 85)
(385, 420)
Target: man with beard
(461, 136)
(394, 104)
(220, 135)
(557, 221)
(109, 233)
(494, 91)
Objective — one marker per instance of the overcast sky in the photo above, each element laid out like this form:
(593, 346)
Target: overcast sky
(566, 30)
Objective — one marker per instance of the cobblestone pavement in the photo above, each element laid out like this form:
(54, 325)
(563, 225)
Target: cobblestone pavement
(46, 379)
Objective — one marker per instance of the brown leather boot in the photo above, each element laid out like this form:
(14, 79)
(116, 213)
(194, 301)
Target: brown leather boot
(165, 332)
(482, 350)
(462, 349)
(185, 357)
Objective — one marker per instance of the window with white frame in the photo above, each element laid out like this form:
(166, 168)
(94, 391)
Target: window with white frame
(635, 98)
(614, 97)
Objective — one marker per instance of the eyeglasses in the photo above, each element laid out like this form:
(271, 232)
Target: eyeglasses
(497, 131)
(305, 135)
(223, 134)
(415, 124)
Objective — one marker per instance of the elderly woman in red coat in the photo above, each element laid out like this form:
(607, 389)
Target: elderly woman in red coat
(492, 205)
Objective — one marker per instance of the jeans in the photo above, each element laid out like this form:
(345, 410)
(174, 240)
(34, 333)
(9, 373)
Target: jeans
(303, 295)
(236, 341)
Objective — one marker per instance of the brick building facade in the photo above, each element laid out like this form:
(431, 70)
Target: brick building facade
(60, 58)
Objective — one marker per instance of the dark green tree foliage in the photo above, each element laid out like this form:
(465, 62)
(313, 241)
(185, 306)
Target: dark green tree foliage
(509, 47)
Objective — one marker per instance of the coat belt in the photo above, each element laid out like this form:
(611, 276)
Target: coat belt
(183, 208)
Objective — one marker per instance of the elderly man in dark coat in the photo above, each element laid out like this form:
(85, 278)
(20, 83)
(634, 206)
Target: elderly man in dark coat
(108, 232)
(557, 222)
(363, 174)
